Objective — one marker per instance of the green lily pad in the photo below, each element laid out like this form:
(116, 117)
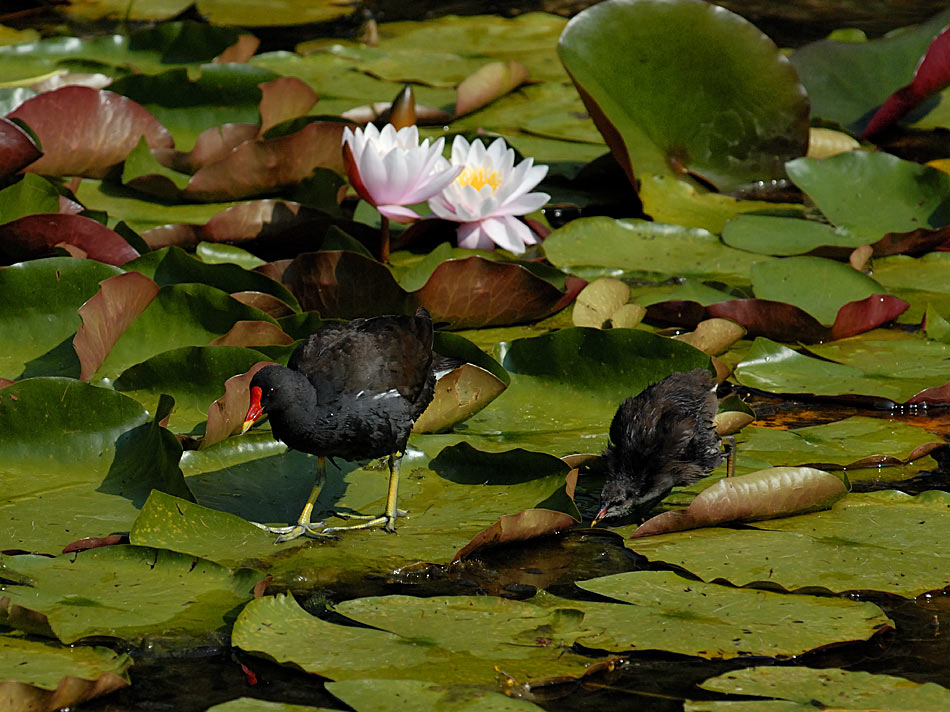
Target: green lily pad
(828, 687)
(39, 339)
(249, 476)
(648, 69)
(872, 194)
(650, 249)
(866, 373)
(29, 195)
(181, 315)
(379, 695)
(152, 593)
(44, 675)
(193, 375)
(847, 81)
(462, 640)
(773, 235)
(671, 613)
(792, 280)
(864, 543)
(78, 461)
(172, 265)
(840, 444)
(252, 704)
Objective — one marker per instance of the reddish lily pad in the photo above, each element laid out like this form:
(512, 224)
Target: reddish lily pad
(86, 131)
(17, 148)
(264, 165)
(253, 333)
(284, 98)
(38, 235)
(931, 76)
(265, 219)
(529, 524)
(346, 285)
(214, 144)
(226, 414)
(476, 292)
(107, 315)
(782, 321)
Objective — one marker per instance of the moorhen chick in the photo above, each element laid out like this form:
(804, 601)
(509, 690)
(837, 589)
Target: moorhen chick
(659, 439)
(352, 390)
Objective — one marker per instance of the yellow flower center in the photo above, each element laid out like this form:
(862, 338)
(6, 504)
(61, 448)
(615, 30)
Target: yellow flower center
(478, 177)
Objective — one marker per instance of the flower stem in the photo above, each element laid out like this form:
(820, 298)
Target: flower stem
(383, 238)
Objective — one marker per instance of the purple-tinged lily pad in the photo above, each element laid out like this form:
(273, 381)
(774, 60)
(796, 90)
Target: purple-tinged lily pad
(17, 148)
(264, 165)
(284, 98)
(39, 235)
(87, 131)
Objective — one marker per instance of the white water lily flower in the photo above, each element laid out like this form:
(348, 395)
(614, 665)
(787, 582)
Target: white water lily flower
(489, 194)
(390, 169)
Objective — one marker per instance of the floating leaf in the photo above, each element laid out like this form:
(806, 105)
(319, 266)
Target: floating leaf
(646, 69)
(827, 687)
(80, 460)
(776, 492)
(648, 248)
(874, 376)
(598, 301)
(872, 194)
(713, 336)
(17, 148)
(44, 676)
(283, 99)
(529, 524)
(376, 695)
(458, 395)
(107, 315)
(42, 341)
(151, 592)
(226, 414)
(684, 616)
(264, 165)
(86, 131)
(487, 84)
(35, 236)
(864, 543)
(476, 292)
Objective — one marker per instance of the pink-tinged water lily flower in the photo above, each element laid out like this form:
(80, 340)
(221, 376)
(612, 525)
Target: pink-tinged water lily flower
(390, 169)
(489, 194)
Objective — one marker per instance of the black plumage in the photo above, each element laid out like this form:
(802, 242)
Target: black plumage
(659, 439)
(352, 390)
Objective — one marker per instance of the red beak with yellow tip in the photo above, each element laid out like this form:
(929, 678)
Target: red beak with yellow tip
(600, 515)
(255, 411)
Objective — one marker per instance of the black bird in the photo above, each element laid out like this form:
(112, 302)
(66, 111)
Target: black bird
(352, 390)
(659, 439)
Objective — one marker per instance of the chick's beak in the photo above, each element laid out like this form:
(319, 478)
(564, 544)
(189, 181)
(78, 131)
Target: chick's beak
(600, 515)
(254, 412)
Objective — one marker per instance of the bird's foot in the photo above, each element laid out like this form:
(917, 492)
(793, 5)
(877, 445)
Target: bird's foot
(349, 515)
(388, 524)
(295, 531)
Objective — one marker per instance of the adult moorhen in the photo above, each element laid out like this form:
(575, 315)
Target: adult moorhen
(659, 439)
(352, 390)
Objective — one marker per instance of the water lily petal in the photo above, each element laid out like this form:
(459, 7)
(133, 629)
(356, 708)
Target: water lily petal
(471, 236)
(398, 213)
(509, 233)
(524, 204)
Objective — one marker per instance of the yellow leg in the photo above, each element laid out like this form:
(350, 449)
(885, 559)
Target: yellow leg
(303, 525)
(388, 518)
